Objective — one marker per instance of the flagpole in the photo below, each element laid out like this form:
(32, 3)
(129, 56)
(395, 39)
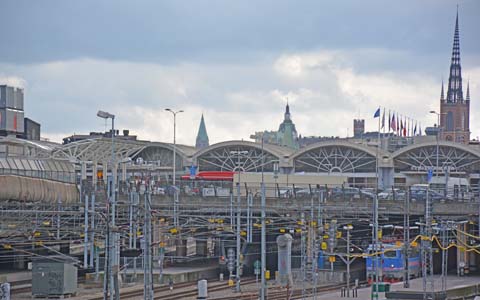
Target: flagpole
(375, 217)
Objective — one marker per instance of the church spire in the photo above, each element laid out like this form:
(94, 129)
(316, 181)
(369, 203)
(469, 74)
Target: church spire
(202, 136)
(287, 112)
(454, 92)
(468, 91)
(442, 94)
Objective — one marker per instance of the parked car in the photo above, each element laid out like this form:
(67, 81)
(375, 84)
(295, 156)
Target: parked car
(347, 193)
(159, 191)
(285, 192)
(395, 194)
(421, 195)
(367, 193)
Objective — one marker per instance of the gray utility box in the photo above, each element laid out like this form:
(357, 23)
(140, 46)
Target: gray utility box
(53, 275)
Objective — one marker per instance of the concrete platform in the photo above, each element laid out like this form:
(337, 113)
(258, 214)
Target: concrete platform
(455, 287)
(15, 276)
(178, 274)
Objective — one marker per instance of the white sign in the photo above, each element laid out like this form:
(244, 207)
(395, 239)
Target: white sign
(223, 192)
(208, 192)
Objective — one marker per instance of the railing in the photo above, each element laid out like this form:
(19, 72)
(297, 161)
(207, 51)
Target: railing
(345, 192)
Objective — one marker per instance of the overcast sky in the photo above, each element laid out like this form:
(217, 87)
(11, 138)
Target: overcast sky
(234, 61)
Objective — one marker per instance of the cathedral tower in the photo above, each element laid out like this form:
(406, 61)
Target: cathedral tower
(454, 109)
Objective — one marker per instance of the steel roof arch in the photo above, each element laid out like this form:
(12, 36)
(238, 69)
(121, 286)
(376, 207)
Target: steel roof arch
(434, 144)
(339, 143)
(266, 147)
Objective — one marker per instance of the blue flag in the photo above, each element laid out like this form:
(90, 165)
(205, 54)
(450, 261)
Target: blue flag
(377, 113)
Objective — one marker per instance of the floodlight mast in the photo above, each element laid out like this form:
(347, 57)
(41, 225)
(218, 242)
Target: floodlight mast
(111, 237)
(105, 115)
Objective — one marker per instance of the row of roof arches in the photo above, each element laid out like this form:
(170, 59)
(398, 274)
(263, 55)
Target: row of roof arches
(322, 157)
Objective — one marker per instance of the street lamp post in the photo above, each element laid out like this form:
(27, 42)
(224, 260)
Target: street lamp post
(112, 269)
(174, 138)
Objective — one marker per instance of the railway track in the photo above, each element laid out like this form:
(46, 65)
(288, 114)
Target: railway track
(163, 292)
(275, 294)
(218, 286)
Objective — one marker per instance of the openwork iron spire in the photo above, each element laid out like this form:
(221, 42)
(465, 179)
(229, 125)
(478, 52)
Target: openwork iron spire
(442, 94)
(454, 92)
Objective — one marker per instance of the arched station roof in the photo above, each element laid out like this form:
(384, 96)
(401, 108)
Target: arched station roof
(235, 155)
(422, 157)
(161, 154)
(336, 157)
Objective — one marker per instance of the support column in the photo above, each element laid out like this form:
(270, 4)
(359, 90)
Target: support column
(105, 172)
(181, 247)
(124, 172)
(201, 247)
(94, 175)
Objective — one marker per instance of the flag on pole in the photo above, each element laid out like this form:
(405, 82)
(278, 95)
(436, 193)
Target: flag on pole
(383, 119)
(408, 127)
(415, 129)
(398, 124)
(393, 125)
(389, 121)
(377, 113)
(405, 127)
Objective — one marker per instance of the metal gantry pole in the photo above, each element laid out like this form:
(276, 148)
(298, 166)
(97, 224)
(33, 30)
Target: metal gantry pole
(303, 254)
(263, 239)
(85, 232)
(406, 240)
(239, 211)
(348, 261)
(444, 261)
(92, 226)
(263, 249)
(249, 217)
(147, 251)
